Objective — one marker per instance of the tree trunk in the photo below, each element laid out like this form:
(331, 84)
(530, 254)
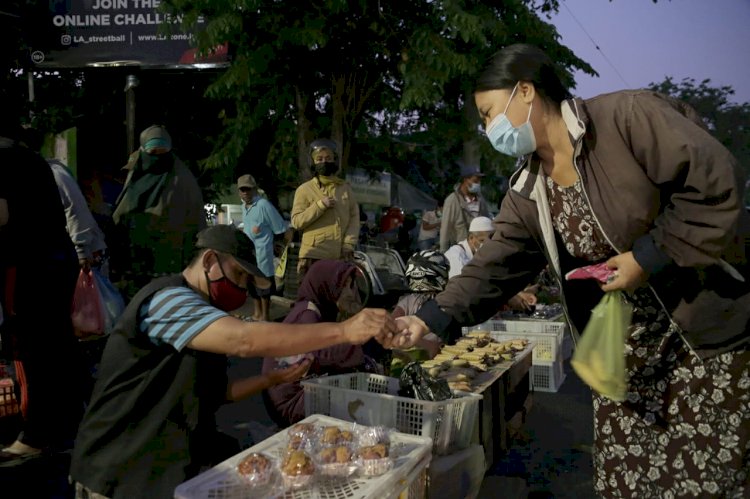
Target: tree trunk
(471, 154)
(339, 133)
(303, 133)
(351, 93)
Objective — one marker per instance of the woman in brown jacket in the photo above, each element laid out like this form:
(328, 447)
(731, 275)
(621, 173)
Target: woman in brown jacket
(632, 179)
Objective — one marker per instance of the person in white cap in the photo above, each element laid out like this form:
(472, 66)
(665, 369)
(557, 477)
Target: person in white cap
(460, 253)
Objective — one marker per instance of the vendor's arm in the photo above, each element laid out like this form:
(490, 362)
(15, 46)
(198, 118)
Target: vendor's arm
(523, 301)
(703, 178)
(306, 208)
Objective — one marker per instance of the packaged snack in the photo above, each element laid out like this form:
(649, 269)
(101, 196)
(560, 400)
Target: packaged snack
(297, 469)
(373, 450)
(256, 469)
(372, 435)
(333, 435)
(301, 435)
(374, 460)
(338, 461)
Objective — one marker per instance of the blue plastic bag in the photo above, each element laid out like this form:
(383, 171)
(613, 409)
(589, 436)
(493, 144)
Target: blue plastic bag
(112, 302)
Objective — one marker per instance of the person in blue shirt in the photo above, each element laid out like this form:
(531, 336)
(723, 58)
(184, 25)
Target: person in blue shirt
(261, 221)
(150, 424)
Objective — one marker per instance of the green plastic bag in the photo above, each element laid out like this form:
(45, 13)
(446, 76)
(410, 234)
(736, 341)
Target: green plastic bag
(599, 358)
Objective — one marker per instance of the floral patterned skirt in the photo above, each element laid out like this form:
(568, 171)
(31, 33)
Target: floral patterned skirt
(684, 429)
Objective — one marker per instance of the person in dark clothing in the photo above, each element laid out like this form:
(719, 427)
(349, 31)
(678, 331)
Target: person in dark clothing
(327, 292)
(157, 215)
(38, 271)
(150, 424)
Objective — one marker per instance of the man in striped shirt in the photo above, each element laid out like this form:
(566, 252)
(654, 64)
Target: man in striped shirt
(150, 423)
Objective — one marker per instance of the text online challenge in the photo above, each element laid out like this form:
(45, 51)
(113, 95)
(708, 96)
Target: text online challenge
(149, 17)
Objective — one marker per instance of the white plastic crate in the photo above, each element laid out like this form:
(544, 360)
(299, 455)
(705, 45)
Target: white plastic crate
(519, 326)
(372, 399)
(547, 346)
(547, 335)
(407, 479)
(546, 376)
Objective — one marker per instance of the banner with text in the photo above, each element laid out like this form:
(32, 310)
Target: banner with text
(369, 190)
(85, 33)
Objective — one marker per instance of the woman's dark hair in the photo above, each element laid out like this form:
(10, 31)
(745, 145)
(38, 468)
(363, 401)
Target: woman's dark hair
(522, 62)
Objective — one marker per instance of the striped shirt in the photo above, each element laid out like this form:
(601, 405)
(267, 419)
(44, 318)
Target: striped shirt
(175, 315)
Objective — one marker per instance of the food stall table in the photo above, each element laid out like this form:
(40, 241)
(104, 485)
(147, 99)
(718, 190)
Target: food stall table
(407, 478)
(504, 389)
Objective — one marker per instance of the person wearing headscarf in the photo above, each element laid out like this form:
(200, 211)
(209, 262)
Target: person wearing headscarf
(328, 293)
(158, 213)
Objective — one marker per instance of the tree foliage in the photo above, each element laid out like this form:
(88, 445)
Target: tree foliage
(389, 80)
(355, 70)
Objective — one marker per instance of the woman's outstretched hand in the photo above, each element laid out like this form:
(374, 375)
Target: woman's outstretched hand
(411, 329)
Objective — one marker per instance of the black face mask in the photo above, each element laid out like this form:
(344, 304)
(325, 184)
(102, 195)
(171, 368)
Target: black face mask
(326, 169)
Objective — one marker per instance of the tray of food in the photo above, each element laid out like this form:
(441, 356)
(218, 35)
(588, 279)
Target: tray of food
(320, 457)
(466, 363)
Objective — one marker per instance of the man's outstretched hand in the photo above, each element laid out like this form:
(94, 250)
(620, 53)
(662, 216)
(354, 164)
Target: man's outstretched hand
(370, 323)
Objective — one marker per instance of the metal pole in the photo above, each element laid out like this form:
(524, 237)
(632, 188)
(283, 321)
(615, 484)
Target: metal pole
(130, 83)
(30, 79)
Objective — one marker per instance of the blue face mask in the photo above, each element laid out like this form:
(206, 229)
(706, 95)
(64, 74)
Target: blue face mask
(474, 188)
(509, 140)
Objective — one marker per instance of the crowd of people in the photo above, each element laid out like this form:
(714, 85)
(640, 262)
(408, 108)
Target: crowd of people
(632, 179)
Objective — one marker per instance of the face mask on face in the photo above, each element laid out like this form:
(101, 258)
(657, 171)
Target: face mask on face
(224, 294)
(326, 169)
(474, 188)
(509, 140)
